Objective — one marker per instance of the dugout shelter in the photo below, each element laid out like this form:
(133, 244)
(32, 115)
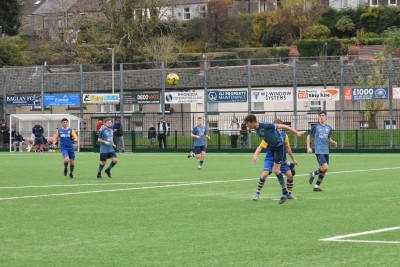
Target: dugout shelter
(24, 123)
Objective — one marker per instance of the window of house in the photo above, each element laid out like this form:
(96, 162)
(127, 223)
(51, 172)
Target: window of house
(84, 16)
(343, 3)
(202, 12)
(392, 2)
(373, 2)
(186, 13)
(315, 106)
(263, 6)
(46, 23)
(258, 106)
(138, 14)
(212, 107)
(60, 22)
(70, 18)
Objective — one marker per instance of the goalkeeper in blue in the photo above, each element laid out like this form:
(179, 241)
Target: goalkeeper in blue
(286, 168)
(199, 134)
(66, 138)
(270, 134)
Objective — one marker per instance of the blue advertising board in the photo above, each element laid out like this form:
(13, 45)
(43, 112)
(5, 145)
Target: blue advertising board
(62, 100)
(23, 100)
(368, 94)
(227, 96)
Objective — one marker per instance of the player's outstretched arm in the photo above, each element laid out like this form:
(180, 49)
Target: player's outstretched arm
(255, 155)
(284, 126)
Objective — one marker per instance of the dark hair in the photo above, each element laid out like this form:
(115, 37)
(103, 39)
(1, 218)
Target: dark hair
(278, 121)
(199, 118)
(107, 119)
(250, 118)
(64, 119)
(322, 112)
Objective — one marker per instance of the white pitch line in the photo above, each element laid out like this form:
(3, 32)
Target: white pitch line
(340, 237)
(123, 189)
(76, 185)
(366, 241)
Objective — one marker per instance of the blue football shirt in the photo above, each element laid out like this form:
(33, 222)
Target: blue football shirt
(321, 135)
(269, 133)
(202, 132)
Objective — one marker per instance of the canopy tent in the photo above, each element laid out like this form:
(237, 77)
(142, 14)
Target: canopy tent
(24, 123)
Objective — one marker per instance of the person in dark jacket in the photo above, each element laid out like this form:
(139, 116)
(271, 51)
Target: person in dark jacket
(18, 141)
(162, 131)
(119, 135)
(151, 135)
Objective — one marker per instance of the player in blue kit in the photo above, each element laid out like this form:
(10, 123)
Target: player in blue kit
(270, 134)
(286, 168)
(322, 137)
(199, 134)
(106, 135)
(66, 137)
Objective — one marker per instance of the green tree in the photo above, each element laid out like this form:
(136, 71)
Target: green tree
(376, 79)
(10, 17)
(290, 19)
(345, 25)
(392, 40)
(136, 25)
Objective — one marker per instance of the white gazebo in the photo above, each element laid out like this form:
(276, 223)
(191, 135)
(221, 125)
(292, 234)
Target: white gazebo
(24, 123)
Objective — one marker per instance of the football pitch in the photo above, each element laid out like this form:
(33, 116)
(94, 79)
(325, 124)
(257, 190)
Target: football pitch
(159, 210)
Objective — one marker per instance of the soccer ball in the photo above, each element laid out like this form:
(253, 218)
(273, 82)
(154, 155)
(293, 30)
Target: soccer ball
(173, 79)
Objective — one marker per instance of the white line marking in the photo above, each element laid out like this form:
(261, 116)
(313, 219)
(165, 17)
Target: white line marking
(76, 185)
(366, 241)
(124, 189)
(340, 238)
(161, 186)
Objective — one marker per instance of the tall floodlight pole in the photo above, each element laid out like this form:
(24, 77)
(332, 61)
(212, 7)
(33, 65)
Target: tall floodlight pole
(294, 101)
(112, 73)
(390, 100)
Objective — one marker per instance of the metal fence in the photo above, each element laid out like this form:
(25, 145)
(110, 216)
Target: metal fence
(346, 117)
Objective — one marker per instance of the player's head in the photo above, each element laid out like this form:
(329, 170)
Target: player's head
(64, 122)
(251, 121)
(199, 121)
(322, 116)
(108, 122)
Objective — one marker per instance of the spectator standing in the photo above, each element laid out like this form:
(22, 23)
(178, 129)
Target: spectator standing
(244, 135)
(38, 131)
(151, 135)
(162, 131)
(234, 127)
(119, 135)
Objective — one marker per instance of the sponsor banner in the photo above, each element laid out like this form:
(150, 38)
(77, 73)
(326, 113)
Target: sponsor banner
(257, 96)
(355, 94)
(142, 98)
(396, 93)
(184, 97)
(317, 94)
(276, 95)
(23, 100)
(100, 98)
(227, 96)
(62, 100)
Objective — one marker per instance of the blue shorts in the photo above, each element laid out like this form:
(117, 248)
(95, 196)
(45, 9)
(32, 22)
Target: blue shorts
(105, 156)
(199, 149)
(269, 165)
(322, 159)
(68, 152)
